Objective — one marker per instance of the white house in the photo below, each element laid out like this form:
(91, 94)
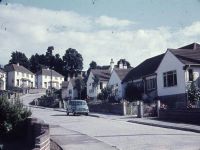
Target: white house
(19, 76)
(144, 77)
(2, 80)
(45, 77)
(115, 81)
(178, 68)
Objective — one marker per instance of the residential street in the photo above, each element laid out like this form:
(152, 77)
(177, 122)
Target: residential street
(87, 132)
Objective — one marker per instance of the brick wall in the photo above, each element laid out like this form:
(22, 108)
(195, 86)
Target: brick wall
(38, 134)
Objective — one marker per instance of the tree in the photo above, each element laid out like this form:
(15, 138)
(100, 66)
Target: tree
(72, 61)
(193, 93)
(35, 63)
(58, 64)
(93, 65)
(124, 61)
(49, 57)
(105, 93)
(19, 57)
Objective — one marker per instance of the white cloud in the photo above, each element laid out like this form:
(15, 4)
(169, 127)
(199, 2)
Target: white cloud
(106, 21)
(32, 30)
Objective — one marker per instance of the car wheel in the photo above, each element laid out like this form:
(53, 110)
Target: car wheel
(67, 113)
(86, 114)
(74, 113)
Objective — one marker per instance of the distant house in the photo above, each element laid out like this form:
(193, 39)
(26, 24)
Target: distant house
(100, 75)
(177, 70)
(115, 81)
(144, 77)
(19, 76)
(2, 79)
(69, 89)
(45, 77)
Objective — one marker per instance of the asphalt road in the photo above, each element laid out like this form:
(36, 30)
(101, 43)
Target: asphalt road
(86, 132)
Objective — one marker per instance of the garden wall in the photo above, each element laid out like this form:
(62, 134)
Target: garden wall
(185, 115)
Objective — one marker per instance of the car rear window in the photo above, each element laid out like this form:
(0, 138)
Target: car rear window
(77, 103)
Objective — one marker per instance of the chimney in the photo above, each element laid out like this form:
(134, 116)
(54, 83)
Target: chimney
(121, 66)
(111, 65)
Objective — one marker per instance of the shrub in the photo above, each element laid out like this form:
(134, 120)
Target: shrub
(11, 115)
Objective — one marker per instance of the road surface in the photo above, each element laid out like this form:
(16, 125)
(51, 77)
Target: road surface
(112, 133)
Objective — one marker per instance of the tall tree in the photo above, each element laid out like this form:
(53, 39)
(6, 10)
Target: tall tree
(35, 63)
(49, 57)
(58, 64)
(72, 61)
(93, 65)
(19, 57)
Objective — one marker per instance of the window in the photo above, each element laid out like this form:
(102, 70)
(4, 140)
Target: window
(56, 78)
(17, 73)
(190, 71)
(45, 84)
(31, 76)
(22, 74)
(70, 91)
(101, 85)
(31, 84)
(170, 78)
(17, 82)
(151, 84)
(27, 75)
(45, 77)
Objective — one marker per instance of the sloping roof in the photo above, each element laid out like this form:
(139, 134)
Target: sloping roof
(103, 75)
(189, 54)
(15, 67)
(122, 73)
(191, 46)
(65, 84)
(48, 72)
(147, 67)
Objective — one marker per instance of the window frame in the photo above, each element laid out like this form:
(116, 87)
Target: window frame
(170, 75)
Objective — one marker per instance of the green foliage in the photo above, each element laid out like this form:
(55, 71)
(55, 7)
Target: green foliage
(133, 93)
(193, 93)
(19, 57)
(72, 61)
(105, 93)
(11, 114)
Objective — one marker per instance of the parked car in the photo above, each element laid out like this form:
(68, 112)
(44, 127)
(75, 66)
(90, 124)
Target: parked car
(77, 107)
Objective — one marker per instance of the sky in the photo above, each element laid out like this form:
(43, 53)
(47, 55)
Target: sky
(98, 29)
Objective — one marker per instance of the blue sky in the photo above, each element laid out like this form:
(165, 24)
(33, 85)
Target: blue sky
(99, 29)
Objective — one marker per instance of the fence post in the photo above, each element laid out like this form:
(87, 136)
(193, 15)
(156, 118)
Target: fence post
(124, 108)
(158, 108)
(140, 109)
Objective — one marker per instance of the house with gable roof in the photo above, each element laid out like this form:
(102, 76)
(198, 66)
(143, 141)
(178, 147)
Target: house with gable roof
(115, 81)
(2, 79)
(144, 77)
(45, 77)
(101, 76)
(19, 76)
(178, 68)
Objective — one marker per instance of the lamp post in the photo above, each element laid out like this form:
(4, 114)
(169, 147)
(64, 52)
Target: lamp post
(51, 82)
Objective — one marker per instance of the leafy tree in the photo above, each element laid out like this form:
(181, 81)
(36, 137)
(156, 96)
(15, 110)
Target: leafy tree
(58, 64)
(19, 57)
(49, 57)
(105, 93)
(193, 93)
(93, 65)
(124, 61)
(35, 63)
(72, 61)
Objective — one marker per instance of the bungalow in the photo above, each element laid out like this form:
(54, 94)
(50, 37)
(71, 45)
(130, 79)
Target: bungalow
(97, 80)
(115, 81)
(2, 80)
(45, 77)
(19, 76)
(144, 77)
(69, 88)
(178, 68)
